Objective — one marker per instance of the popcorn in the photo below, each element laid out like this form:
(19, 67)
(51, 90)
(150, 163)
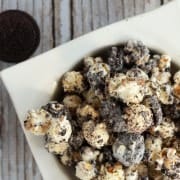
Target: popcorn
(143, 171)
(169, 163)
(153, 103)
(137, 74)
(164, 94)
(106, 155)
(60, 130)
(72, 102)
(117, 117)
(89, 154)
(97, 75)
(85, 170)
(67, 159)
(156, 174)
(149, 66)
(96, 135)
(73, 82)
(90, 61)
(87, 112)
(177, 77)
(165, 129)
(76, 139)
(176, 90)
(136, 172)
(126, 89)
(160, 78)
(38, 122)
(111, 172)
(153, 145)
(111, 113)
(129, 149)
(92, 98)
(115, 59)
(172, 142)
(56, 148)
(138, 118)
(136, 53)
(172, 110)
(131, 173)
(164, 63)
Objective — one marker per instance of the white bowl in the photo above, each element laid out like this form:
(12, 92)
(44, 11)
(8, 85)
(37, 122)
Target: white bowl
(32, 83)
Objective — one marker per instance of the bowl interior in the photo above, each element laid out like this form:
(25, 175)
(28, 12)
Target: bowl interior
(102, 52)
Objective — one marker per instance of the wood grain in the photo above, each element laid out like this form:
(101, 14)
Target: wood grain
(151, 4)
(62, 21)
(129, 9)
(59, 21)
(115, 10)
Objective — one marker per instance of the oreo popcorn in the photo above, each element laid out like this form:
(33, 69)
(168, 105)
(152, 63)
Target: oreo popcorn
(118, 117)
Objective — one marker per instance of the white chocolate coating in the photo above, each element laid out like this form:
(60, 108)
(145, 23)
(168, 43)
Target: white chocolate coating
(73, 81)
(129, 90)
(60, 130)
(85, 170)
(38, 122)
(96, 135)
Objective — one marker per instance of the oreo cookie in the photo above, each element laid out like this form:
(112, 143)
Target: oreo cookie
(19, 36)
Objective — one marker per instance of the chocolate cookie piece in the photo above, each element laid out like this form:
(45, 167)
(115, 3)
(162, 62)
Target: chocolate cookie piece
(129, 148)
(57, 110)
(111, 114)
(115, 59)
(19, 36)
(153, 103)
(136, 53)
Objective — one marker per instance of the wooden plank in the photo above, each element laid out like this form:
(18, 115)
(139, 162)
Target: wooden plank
(103, 12)
(139, 6)
(95, 14)
(37, 14)
(99, 13)
(77, 18)
(9, 120)
(47, 30)
(152, 4)
(12, 139)
(129, 8)
(1, 120)
(28, 163)
(115, 10)
(9, 4)
(5, 147)
(86, 16)
(62, 21)
(1, 143)
(26, 6)
(20, 152)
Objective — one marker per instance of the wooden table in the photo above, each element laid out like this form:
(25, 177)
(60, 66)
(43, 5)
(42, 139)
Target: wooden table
(59, 21)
